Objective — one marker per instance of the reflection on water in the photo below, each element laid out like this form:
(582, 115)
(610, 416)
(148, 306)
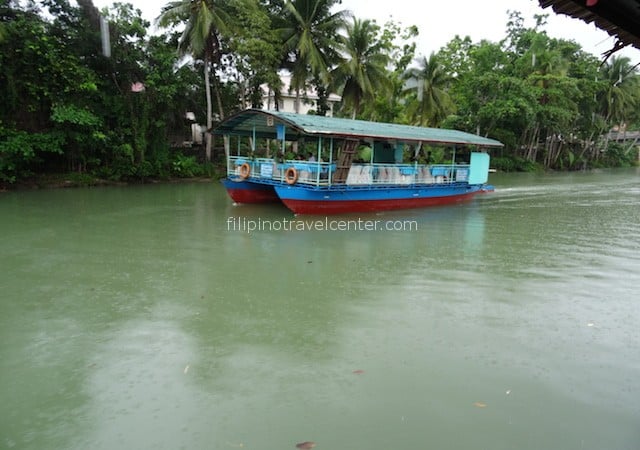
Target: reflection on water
(133, 318)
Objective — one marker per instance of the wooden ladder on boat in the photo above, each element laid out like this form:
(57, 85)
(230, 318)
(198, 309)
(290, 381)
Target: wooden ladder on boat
(345, 161)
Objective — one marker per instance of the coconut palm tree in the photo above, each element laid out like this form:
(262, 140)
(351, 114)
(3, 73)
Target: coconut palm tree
(363, 71)
(204, 20)
(622, 92)
(309, 37)
(432, 103)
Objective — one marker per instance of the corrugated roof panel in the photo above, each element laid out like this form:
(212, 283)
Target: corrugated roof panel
(263, 124)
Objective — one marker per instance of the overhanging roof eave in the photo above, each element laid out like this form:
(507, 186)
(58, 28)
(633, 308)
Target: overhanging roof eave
(618, 18)
(257, 122)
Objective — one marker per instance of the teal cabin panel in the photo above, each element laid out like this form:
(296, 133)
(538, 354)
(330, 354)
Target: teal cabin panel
(479, 168)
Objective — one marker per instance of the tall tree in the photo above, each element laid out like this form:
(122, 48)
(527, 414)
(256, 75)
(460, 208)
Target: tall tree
(388, 104)
(309, 37)
(432, 103)
(621, 93)
(252, 53)
(363, 70)
(204, 21)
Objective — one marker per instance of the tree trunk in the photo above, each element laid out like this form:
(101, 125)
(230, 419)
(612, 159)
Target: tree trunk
(225, 139)
(559, 147)
(356, 107)
(218, 98)
(227, 147)
(207, 88)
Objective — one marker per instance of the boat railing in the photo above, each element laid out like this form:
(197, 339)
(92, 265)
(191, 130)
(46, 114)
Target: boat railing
(401, 174)
(321, 173)
(257, 167)
(308, 172)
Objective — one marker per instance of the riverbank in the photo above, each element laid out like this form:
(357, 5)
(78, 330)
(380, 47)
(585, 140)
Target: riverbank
(75, 180)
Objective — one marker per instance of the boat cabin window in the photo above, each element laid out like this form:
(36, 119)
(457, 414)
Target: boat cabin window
(383, 153)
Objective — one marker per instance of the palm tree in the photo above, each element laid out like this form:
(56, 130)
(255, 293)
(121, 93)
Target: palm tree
(433, 103)
(204, 20)
(309, 38)
(622, 92)
(363, 71)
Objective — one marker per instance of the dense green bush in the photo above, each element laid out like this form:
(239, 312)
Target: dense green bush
(513, 164)
(186, 167)
(19, 151)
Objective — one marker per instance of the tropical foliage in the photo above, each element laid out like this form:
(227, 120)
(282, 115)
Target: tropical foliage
(430, 104)
(308, 35)
(363, 70)
(116, 110)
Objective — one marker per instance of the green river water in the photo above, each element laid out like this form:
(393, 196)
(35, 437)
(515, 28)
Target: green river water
(139, 318)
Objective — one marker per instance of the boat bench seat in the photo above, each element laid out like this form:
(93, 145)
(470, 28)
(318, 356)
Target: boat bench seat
(359, 174)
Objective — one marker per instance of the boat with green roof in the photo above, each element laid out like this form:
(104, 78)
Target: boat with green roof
(326, 165)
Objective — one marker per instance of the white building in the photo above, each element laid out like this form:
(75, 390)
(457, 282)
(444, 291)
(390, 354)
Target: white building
(308, 100)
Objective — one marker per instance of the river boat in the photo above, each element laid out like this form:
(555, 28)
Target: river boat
(326, 165)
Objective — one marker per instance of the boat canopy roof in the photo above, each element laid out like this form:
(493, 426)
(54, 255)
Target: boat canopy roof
(264, 124)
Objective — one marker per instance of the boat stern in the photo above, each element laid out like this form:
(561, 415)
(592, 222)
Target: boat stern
(242, 191)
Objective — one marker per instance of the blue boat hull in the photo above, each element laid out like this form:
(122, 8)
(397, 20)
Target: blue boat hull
(303, 200)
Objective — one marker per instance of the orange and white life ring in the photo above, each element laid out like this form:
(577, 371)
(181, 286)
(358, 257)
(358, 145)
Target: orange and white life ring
(291, 175)
(244, 171)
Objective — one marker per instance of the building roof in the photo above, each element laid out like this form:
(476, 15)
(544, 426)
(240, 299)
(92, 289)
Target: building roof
(619, 18)
(263, 124)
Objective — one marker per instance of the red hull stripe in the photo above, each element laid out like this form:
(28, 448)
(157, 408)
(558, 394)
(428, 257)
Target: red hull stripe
(253, 195)
(349, 206)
